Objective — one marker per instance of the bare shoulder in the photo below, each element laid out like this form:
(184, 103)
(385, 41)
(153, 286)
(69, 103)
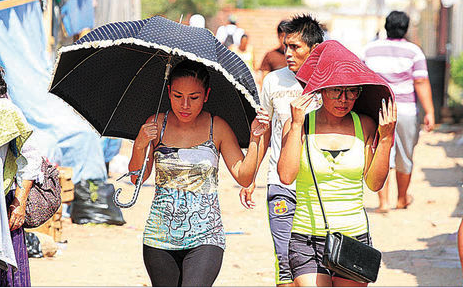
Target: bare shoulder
(222, 132)
(368, 124)
(220, 125)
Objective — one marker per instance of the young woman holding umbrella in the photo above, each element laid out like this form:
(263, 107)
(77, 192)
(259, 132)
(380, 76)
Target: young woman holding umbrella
(340, 146)
(184, 238)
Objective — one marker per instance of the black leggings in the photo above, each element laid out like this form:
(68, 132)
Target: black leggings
(198, 266)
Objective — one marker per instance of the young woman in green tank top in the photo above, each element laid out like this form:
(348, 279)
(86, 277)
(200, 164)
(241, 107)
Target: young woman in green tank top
(340, 144)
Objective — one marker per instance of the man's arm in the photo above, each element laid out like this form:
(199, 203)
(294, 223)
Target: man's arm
(424, 93)
(264, 68)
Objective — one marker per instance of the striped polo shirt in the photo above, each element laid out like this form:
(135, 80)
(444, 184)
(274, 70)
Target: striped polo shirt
(399, 62)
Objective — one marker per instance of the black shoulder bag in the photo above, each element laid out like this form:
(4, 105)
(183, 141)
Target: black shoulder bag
(345, 255)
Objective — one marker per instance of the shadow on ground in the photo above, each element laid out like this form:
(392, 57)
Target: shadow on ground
(430, 266)
(438, 264)
(437, 177)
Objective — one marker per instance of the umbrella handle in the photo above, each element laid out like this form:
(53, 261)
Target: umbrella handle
(138, 184)
(141, 172)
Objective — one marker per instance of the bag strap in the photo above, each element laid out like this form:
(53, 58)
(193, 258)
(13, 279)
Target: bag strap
(327, 227)
(368, 225)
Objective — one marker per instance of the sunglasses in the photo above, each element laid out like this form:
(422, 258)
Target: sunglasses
(352, 93)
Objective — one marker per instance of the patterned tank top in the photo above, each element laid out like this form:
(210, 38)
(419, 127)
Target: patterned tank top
(185, 212)
(340, 182)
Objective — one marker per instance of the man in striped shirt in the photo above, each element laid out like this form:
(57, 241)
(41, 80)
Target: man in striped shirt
(403, 65)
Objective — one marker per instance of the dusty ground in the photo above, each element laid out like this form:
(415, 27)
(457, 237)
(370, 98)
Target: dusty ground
(418, 244)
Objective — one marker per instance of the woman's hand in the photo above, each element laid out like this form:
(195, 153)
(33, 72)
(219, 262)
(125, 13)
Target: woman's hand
(261, 124)
(16, 213)
(148, 132)
(246, 196)
(387, 119)
(299, 106)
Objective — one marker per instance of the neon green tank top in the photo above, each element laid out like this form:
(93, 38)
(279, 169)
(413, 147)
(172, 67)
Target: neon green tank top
(340, 182)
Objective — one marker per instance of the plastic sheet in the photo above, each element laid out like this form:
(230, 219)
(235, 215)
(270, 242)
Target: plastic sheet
(34, 249)
(67, 138)
(93, 203)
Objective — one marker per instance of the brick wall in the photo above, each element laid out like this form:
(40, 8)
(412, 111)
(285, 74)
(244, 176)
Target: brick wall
(260, 25)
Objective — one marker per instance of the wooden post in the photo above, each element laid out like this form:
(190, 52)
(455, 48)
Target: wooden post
(48, 24)
(13, 3)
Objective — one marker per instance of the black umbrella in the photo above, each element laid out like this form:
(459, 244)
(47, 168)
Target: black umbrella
(115, 77)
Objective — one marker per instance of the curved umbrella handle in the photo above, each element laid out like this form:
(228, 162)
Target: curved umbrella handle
(138, 184)
(141, 172)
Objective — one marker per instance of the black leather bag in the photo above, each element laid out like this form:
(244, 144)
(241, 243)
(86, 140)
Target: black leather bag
(351, 258)
(345, 255)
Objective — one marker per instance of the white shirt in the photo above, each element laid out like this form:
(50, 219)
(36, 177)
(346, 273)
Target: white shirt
(400, 63)
(230, 29)
(279, 88)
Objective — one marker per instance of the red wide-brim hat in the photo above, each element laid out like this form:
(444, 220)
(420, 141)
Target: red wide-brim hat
(331, 64)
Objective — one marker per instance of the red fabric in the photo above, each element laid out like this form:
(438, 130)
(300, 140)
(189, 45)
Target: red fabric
(331, 64)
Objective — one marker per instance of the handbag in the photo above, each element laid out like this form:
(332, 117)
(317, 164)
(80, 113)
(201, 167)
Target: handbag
(44, 199)
(344, 255)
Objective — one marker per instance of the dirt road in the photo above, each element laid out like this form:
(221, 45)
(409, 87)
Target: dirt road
(418, 244)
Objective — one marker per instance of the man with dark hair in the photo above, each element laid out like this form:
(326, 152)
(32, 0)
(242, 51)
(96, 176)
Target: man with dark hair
(403, 65)
(275, 59)
(396, 25)
(280, 87)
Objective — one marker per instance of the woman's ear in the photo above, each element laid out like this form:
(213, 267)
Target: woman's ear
(168, 90)
(207, 94)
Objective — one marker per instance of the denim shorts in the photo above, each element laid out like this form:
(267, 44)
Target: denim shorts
(306, 253)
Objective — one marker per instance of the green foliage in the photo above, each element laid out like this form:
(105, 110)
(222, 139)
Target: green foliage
(456, 70)
(173, 9)
(455, 95)
(249, 4)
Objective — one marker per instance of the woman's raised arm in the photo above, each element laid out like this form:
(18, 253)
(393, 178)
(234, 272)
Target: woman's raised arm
(292, 140)
(243, 168)
(377, 162)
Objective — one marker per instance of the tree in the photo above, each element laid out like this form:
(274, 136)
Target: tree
(173, 9)
(456, 70)
(250, 4)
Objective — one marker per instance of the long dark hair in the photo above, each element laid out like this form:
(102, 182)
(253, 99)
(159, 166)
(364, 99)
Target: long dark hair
(189, 68)
(3, 86)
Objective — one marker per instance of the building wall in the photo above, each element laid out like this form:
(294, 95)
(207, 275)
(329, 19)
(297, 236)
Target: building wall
(260, 25)
(353, 31)
(457, 29)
